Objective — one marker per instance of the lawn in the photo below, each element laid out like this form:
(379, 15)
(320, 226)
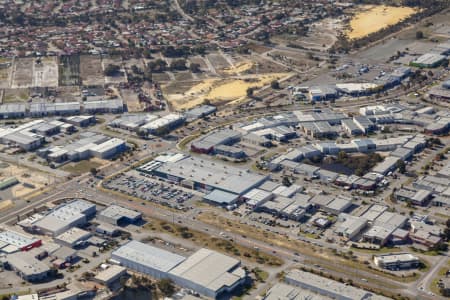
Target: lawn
(81, 167)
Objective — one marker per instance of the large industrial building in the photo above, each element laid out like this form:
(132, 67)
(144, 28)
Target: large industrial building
(147, 259)
(206, 272)
(64, 217)
(28, 267)
(89, 145)
(328, 287)
(428, 60)
(209, 273)
(205, 175)
(11, 241)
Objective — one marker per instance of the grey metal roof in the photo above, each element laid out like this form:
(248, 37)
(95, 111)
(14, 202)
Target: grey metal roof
(148, 256)
(221, 197)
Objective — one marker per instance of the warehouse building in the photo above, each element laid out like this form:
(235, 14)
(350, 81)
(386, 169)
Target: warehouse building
(12, 110)
(206, 272)
(199, 112)
(328, 287)
(80, 121)
(428, 60)
(44, 109)
(147, 259)
(11, 241)
(207, 144)
(350, 226)
(397, 261)
(206, 175)
(282, 291)
(110, 275)
(322, 93)
(65, 216)
(209, 273)
(164, 124)
(28, 267)
(132, 122)
(389, 164)
(89, 145)
(109, 148)
(257, 197)
(118, 215)
(351, 128)
(73, 237)
(221, 198)
(415, 197)
(25, 140)
(114, 106)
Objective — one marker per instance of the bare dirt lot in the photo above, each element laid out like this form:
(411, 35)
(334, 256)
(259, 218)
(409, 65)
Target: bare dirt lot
(130, 98)
(5, 72)
(29, 180)
(91, 70)
(22, 73)
(68, 94)
(15, 95)
(218, 91)
(45, 72)
(321, 36)
(218, 61)
(160, 77)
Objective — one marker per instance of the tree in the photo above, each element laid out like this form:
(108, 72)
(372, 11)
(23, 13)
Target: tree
(94, 171)
(342, 155)
(157, 66)
(419, 35)
(286, 181)
(250, 92)
(111, 70)
(178, 65)
(401, 166)
(194, 68)
(166, 287)
(275, 85)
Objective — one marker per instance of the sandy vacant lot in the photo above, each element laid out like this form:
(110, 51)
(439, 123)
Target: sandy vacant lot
(91, 70)
(5, 71)
(45, 74)
(24, 175)
(220, 91)
(23, 73)
(373, 18)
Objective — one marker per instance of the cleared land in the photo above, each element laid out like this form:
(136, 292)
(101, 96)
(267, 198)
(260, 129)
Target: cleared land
(5, 72)
(29, 180)
(219, 91)
(45, 73)
(69, 70)
(22, 73)
(91, 70)
(130, 98)
(373, 18)
(215, 243)
(15, 95)
(81, 167)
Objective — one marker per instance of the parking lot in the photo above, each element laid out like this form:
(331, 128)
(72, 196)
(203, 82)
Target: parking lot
(139, 185)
